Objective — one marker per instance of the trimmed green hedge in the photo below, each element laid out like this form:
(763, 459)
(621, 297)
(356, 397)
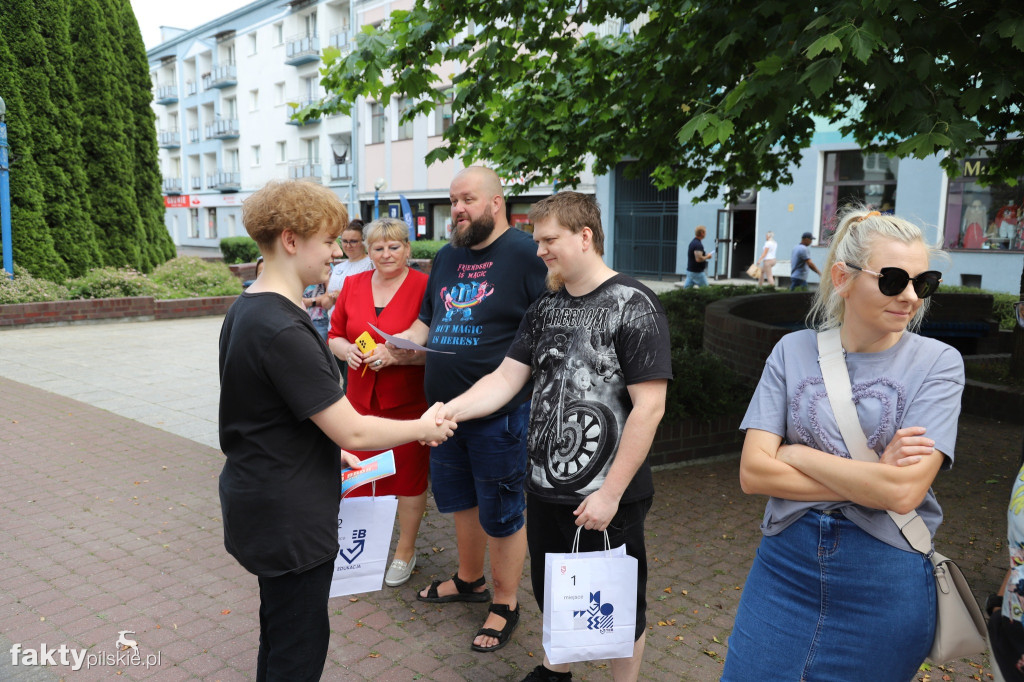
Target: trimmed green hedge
(189, 277)
(703, 386)
(427, 248)
(239, 250)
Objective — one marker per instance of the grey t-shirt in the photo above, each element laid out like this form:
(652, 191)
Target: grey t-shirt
(916, 382)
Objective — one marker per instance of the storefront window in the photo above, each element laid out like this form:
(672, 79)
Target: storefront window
(980, 217)
(857, 178)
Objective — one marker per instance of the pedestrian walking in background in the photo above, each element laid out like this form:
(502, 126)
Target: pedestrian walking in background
(697, 260)
(767, 260)
(800, 261)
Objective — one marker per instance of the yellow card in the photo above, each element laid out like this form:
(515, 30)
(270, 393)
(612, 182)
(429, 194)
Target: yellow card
(366, 344)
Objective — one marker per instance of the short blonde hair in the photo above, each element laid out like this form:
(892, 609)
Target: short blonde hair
(298, 205)
(386, 229)
(858, 232)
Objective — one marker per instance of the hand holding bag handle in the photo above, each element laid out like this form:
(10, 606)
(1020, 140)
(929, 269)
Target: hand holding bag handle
(959, 626)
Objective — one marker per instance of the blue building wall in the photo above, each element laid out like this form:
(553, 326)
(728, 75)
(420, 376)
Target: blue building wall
(791, 210)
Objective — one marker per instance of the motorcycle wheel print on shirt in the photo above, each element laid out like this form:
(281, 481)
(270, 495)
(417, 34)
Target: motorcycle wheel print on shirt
(580, 400)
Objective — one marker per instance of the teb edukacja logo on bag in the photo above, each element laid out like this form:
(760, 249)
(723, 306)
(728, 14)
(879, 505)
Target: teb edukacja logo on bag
(597, 616)
(352, 552)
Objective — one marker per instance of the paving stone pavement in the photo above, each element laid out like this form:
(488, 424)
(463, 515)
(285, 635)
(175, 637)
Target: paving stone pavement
(109, 521)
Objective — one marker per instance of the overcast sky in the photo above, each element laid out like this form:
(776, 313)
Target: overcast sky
(187, 14)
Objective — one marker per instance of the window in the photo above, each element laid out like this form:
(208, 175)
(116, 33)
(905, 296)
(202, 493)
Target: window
(230, 108)
(231, 160)
(377, 122)
(282, 152)
(254, 100)
(443, 113)
(211, 223)
(312, 145)
(193, 223)
(279, 93)
(279, 33)
(254, 155)
(404, 127)
(855, 177)
(252, 43)
(983, 217)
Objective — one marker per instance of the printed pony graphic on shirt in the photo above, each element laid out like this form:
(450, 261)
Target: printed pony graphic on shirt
(462, 297)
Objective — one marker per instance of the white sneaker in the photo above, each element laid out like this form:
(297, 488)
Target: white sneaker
(399, 572)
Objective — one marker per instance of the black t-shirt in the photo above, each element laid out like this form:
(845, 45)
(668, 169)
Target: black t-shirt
(473, 306)
(692, 264)
(280, 484)
(584, 352)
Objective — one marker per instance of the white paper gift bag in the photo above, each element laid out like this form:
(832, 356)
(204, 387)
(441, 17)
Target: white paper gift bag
(589, 604)
(364, 533)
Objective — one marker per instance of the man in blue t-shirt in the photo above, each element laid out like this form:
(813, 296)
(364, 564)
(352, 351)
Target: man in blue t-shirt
(697, 260)
(479, 289)
(800, 261)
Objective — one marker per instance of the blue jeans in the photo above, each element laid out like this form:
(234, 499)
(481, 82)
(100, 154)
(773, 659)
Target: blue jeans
(826, 601)
(797, 284)
(695, 279)
(484, 465)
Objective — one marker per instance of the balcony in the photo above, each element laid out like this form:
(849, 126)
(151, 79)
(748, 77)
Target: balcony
(222, 129)
(172, 185)
(341, 171)
(343, 40)
(193, 135)
(302, 170)
(169, 139)
(298, 104)
(302, 50)
(225, 181)
(196, 182)
(191, 88)
(223, 76)
(166, 94)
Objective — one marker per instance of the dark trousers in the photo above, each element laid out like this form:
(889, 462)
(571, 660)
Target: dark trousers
(294, 625)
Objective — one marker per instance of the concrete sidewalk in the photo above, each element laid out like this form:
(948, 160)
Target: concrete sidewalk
(109, 521)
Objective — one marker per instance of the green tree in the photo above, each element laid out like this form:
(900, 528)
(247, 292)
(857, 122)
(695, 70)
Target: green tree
(35, 49)
(715, 96)
(31, 242)
(140, 128)
(98, 68)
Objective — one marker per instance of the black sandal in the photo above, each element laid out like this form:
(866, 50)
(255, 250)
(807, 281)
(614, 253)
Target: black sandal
(465, 591)
(511, 621)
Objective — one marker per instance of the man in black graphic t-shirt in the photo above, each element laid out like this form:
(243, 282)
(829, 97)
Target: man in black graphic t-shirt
(597, 349)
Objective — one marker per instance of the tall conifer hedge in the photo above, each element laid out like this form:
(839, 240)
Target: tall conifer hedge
(85, 184)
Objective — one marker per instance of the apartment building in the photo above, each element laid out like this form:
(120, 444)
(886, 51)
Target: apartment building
(224, 94)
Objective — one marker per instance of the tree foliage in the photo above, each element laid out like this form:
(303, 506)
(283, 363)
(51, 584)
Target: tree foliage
(80, 199)
(715, 96)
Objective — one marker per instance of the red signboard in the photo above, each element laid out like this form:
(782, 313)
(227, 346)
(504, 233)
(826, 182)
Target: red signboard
(176, 201)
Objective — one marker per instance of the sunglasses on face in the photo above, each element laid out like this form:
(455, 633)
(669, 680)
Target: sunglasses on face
(892, 281)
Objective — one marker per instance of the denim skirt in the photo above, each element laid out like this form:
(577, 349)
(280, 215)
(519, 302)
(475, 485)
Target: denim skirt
(826, 601)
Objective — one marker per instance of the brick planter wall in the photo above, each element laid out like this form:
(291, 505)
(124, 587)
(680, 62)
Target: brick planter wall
(690, 439)
(98, 309)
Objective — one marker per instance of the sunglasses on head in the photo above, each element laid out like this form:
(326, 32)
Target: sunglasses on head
(892, 281)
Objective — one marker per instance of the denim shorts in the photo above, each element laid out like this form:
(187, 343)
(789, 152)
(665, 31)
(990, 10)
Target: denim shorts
(484, 465)
(824, 601)
(695, 279)
(552, 528)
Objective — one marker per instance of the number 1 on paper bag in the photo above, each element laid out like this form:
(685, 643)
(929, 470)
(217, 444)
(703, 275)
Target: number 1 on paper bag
(570, 588)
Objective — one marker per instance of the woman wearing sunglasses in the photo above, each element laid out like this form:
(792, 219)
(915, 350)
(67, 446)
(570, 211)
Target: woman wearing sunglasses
(835, 591)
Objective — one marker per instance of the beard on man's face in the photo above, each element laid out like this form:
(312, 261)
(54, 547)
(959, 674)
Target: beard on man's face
(476, 232)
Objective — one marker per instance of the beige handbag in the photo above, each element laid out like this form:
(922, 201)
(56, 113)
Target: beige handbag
(959, 626)
(754, 271)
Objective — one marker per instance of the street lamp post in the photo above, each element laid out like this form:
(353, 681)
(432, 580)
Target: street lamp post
(5, 194)
(377, 187)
